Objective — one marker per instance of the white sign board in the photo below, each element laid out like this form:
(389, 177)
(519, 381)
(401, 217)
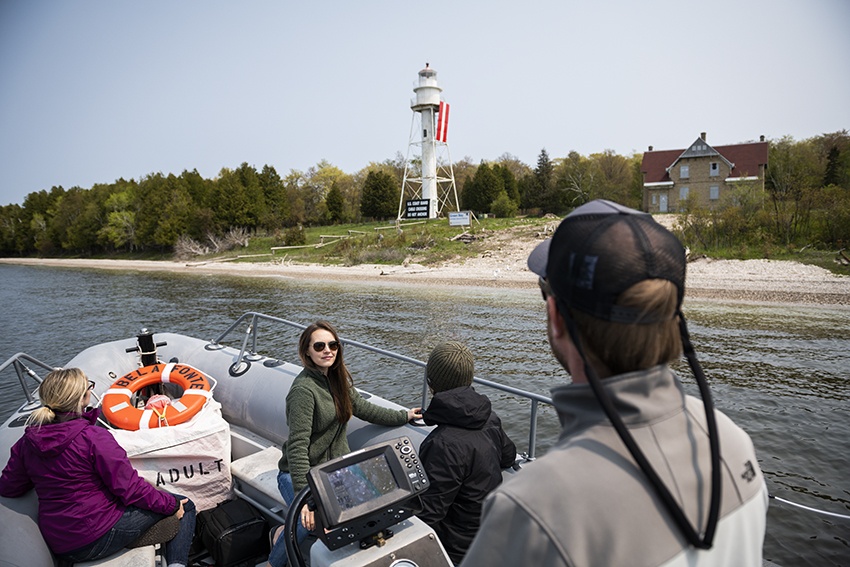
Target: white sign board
(459, 219)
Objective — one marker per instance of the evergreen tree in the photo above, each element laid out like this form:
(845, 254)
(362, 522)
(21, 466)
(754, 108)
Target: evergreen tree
(175, 214)
(11, 229)
(231, 203)
(255, 199)
(835, 149)
(39, 208)
(537, 190)
(380, 196)
(544, 175)
(485, 186)
(78, 219)
(509, 182)
(202, 220)
(335, 204)
(274, 193)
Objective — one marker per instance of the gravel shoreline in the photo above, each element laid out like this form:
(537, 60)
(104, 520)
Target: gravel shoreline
(761, 281)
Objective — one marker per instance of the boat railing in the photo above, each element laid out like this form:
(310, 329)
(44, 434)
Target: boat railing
(18, 362)
(249, 352)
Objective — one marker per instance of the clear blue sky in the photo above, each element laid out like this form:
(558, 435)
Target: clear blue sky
(94, 90)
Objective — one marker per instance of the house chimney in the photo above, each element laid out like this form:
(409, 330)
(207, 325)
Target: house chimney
(761, 138)
(702, 135)
(650, 148)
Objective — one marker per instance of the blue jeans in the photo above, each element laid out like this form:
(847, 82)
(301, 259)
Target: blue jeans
(130, 526)
(278, 557)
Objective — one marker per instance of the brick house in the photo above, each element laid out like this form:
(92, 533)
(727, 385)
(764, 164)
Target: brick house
(702, 172)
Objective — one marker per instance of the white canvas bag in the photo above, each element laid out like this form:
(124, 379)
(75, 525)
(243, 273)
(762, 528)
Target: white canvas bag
(191, 459)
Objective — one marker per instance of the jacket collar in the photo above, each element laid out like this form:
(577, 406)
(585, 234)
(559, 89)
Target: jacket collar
(578, 408)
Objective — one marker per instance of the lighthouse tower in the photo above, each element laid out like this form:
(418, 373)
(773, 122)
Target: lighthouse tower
(428, 174)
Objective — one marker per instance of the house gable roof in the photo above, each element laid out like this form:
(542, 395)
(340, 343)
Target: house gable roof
(744, 159)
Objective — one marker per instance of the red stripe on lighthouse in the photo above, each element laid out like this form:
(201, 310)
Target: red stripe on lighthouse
(443, 122)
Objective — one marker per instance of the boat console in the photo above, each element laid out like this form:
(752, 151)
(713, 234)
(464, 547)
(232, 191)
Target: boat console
(368, 497)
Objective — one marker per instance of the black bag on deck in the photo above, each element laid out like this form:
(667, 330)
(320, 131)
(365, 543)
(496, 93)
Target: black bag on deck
(234, 533)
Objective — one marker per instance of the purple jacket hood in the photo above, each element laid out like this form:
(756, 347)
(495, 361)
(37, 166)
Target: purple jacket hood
(53, 438)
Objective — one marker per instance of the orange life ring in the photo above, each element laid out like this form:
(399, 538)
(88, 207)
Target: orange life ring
(117, 401)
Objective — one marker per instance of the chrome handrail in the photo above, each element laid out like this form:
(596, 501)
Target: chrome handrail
(22, 370)
(251, 333)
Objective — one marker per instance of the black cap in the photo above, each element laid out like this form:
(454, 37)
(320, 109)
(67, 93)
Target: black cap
(600, 250)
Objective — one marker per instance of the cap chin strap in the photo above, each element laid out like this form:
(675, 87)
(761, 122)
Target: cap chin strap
(661, 490)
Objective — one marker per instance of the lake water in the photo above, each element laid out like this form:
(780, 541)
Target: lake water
(779, 371)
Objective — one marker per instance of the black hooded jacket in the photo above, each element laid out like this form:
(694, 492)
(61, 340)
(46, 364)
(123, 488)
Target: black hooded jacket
(463, 458)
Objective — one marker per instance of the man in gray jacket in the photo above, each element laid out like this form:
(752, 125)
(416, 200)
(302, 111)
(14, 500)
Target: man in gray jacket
(642, 474)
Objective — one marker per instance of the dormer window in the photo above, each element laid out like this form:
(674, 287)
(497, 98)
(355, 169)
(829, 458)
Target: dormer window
(684, 172)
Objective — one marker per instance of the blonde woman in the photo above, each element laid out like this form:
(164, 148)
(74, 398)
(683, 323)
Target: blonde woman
(91, 501)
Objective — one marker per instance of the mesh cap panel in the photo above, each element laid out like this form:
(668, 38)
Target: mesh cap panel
(600, 250)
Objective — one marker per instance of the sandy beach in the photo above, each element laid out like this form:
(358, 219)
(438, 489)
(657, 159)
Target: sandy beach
(504, 265)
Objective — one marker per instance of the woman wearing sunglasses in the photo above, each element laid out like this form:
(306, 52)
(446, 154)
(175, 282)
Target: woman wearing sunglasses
(318, 406)
(91, 501)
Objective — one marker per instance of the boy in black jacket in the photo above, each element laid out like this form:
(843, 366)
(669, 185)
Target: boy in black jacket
(464, 456)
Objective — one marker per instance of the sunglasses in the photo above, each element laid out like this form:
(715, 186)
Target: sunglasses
(319, 347)
(545, 288)
(91, 385)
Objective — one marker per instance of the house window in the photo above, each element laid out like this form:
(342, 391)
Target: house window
(684, 172)
(714, 170)
(683, 193)
(654, 199)
(714, 192)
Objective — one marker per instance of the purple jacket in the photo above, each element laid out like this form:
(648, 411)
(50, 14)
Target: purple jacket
(83, 479)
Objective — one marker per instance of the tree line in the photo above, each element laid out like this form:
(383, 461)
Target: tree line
(806, 201)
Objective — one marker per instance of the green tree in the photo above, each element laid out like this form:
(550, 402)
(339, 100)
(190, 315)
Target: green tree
(39, 207)
(274, 194)
(119, 229)
(576, 178)
(537, 191)
(175, 215)
(78, 219)
(335, 204)
(165, 211)
(11, 229)
(202, 221)
(835, 148)
(41, 241)
(380, 196)
(832, 218)
(483, 189)
(614, 180)
(237, 199)
(509, 182)
(317, 182)
(250, 180)
(504, 206)
(792, 176)
(464, 171)
(293, 184)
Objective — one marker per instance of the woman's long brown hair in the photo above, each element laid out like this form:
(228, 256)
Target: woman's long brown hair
(339, 379)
